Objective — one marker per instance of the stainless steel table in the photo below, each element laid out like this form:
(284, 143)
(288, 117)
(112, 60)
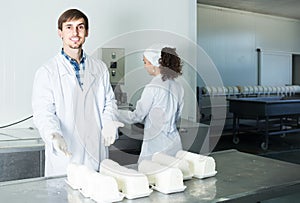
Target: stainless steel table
(284, 111)
(241, 177)
(12, 138)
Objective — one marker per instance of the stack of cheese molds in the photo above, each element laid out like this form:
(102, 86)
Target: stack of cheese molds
(131, 183)
(164, 173)
(92, 184)
(200, 165)
(164, 179)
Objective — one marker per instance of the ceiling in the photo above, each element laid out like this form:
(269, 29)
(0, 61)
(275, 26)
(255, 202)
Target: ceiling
(282, 8)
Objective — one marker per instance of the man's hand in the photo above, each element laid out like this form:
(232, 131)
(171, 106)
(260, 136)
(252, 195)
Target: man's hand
(59, 144)
(109, 132)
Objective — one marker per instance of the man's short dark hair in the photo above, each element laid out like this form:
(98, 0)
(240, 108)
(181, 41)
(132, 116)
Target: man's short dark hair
(72, 14)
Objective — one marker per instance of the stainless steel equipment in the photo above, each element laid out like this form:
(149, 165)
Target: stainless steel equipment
(115, 61)
(21, 154)
(241, 177)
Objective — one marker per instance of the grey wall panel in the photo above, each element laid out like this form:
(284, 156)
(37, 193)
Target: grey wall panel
(21, 165)
(277, 34)
(230, 38)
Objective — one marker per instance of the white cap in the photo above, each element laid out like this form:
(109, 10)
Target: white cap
(152, 53)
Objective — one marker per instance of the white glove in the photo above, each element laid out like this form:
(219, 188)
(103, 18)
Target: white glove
(59, 144)
(109, 132)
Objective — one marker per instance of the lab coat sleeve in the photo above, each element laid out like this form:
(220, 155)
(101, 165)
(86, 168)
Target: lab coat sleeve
(143, 108)
(180, 107)
(110, 105)
(43, 106)
(109, 112)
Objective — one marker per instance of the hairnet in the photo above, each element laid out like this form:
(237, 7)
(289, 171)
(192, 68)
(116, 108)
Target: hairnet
(152, 53)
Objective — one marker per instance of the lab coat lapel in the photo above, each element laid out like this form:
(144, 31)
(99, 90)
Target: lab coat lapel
(67, 73)
(67, 68)
(89, 79)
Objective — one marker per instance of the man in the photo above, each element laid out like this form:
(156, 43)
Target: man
(73, 103)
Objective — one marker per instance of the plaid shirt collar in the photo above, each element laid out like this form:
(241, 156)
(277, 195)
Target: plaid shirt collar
(74, 62)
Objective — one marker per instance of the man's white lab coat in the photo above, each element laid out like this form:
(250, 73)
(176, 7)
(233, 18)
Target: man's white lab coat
(59, 105)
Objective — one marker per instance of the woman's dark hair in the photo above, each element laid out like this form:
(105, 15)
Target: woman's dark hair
(170, 64)
(72, 14)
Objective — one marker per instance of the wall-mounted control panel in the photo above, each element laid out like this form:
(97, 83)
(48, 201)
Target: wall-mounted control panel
(114, 58)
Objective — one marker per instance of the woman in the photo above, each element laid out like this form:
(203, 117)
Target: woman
(160, 105)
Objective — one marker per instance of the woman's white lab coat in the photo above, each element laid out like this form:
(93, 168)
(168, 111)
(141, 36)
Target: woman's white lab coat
(59, 105)
(159, 107)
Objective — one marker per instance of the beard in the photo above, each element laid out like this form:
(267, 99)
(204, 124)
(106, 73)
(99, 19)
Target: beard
(75, 46)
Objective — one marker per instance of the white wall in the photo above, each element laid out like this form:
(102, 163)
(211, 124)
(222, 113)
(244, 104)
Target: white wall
(231, 37)
(29, 38)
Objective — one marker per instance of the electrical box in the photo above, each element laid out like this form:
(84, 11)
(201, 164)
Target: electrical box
(114, 58)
